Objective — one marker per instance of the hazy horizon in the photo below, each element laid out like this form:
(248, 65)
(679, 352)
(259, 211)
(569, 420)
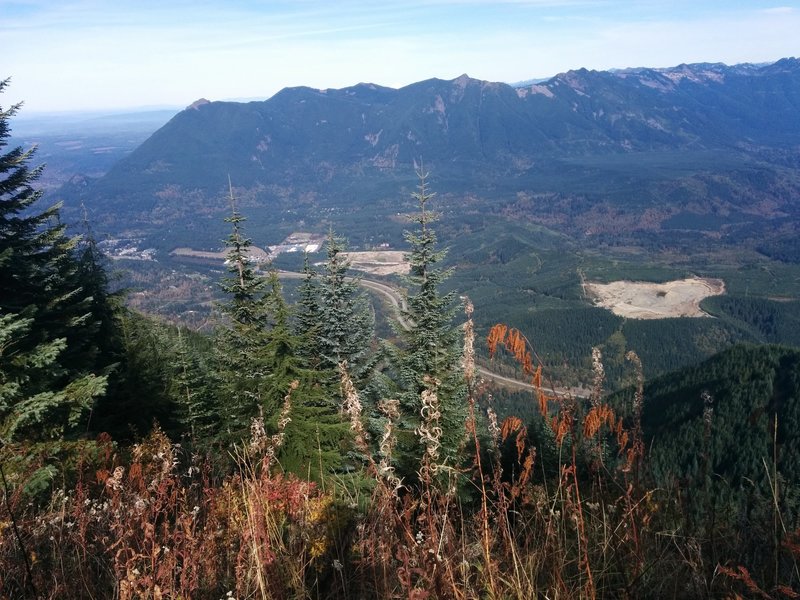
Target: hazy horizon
(98, 55)
(100, 112)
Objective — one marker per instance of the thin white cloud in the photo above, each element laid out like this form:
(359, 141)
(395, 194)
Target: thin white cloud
(779, 10)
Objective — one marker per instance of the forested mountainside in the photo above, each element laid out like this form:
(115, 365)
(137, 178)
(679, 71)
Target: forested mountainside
(697, 145)
(732, 418)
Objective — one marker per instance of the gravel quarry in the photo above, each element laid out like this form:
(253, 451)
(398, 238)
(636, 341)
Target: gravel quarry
(644, 300)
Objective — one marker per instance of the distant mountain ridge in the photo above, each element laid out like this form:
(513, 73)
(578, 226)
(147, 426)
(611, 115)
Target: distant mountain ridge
(475, 135)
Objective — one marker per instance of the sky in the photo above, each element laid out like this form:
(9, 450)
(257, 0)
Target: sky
(66, 55)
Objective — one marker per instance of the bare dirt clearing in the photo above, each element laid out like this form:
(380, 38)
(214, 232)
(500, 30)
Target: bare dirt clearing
(382, 262)
(643, 300)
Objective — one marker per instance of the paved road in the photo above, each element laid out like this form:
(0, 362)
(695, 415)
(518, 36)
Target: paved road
(398, 303)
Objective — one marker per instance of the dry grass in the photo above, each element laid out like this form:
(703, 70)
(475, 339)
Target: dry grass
(503, 524)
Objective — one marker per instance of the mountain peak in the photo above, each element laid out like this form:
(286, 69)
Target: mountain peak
(197, 104)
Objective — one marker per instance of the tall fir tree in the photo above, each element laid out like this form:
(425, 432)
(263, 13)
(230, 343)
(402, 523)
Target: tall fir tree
(335, 319)
(140, 391)
(104, 338)
(346, 323)
(104, 306)
(240, 376)
(47, 373)
(191, 390)
(307, 316)
(430, 358)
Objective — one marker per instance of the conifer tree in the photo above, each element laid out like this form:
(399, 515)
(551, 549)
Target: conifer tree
(29, 410)
(47, 379)
(346, 325)
(240, 375)
(140, 391)
(335, 319)
(123, 409)
(307, 317)
(243, 285)
(191, 391)
(430, 357)
(104, 307)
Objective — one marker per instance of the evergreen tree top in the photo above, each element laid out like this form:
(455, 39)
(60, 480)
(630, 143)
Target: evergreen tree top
(243, 285)
(432, 341)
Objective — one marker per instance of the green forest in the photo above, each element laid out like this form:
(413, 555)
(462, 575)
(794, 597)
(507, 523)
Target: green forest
(292, 452)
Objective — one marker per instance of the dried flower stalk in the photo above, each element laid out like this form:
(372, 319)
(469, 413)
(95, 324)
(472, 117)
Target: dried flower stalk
(352, 408)
(468, 359)
(391, 409)
(429, 430)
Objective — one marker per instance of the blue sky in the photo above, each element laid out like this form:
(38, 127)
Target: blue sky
(112, 54)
